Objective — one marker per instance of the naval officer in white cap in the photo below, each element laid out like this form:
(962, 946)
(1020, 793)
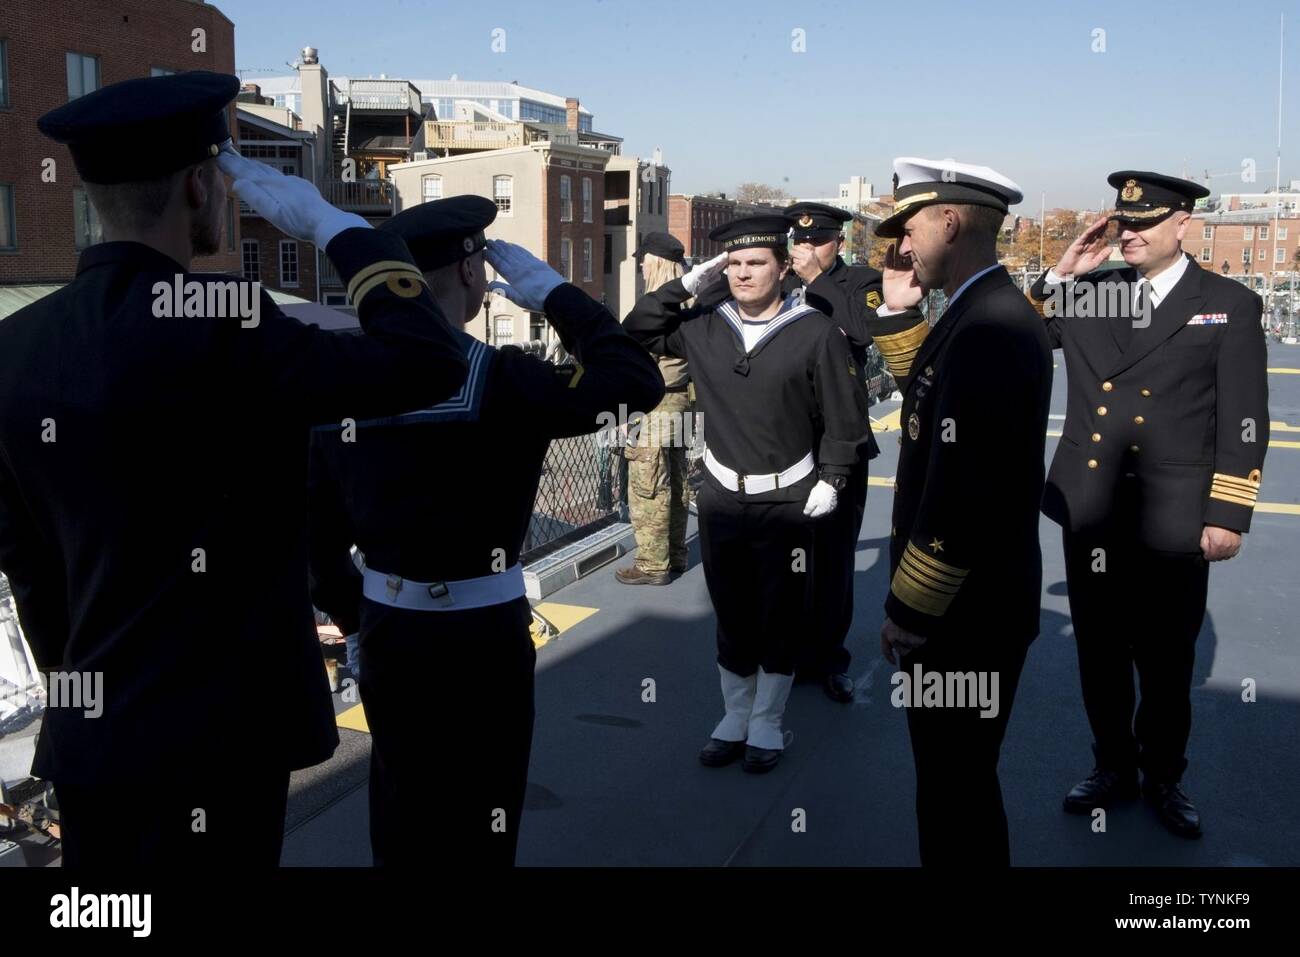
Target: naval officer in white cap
(965, 565)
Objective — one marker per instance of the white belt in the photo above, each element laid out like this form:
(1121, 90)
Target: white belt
(444, 596)
(754, 484)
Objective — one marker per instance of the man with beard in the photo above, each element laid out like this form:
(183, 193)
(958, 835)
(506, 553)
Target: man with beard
(153, 472)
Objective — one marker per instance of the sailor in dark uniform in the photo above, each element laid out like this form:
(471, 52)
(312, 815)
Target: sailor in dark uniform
(786, 424)
(963, 602)
(153, 467)
(439, 501)
(849, 296)
(1155, 475)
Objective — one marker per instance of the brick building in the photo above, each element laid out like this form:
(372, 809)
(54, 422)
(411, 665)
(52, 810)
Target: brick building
(51, 53)
(1245, 245)
(691, 217)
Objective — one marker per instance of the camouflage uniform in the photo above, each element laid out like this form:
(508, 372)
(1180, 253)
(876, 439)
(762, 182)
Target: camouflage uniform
(657, 492)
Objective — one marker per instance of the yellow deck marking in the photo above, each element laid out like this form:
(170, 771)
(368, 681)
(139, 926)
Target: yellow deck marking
(875, 480)
(563, 617)
(1285, 371)
(1283, 427)
(889, 423)
(354, 719)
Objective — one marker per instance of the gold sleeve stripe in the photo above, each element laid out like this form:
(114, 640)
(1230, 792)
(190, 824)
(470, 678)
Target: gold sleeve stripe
(927, 576)
(943, 568)
(573, 380)
(384, 266)
(1234, 489)
(384, 277)
(917, 595)
(900, 348)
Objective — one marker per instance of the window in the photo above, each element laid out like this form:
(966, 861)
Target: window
(663, 188)
(160, 71)
(432, 187)
(566, 200)
(586, 199)
(86, 226)
(1205, 254)
(1248, 232)
(8, 230)
(609, 254)
(1281, 232)
(505, 330)
(4, 75)
(1263, 232)
(230, 225)
(278, 100)
(503, 192)
(566, 259)
(586, 260)
(1279, 255)
(252, 266)
(537, 326)
(1245, 256)
(288, 263)
(83, 74)
(1207, 232)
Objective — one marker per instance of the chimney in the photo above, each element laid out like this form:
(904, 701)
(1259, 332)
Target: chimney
(571, 113)
(315, 108)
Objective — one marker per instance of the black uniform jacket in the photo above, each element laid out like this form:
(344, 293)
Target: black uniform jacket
(964, 553)
(797, 391)
(448, 492)
(153, 501)
(1170, 431)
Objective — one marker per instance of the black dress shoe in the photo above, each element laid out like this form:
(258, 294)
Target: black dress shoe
(838, 688)
(760, 760)
(717, 753)
(1101, 789)
(1174, 808)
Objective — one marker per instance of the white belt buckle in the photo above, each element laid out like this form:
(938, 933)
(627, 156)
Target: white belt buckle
(394, 584)
(440, 593)
(740, 482)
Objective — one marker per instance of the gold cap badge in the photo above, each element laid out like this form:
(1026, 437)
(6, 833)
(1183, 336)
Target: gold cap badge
(805, 220)
(1131, 192)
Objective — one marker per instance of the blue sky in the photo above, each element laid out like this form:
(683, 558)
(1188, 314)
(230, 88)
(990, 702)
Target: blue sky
(1182, 84)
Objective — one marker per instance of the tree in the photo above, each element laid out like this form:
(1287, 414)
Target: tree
(759, 192)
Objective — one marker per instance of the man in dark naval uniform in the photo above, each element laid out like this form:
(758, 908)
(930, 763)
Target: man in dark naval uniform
(1155, 476)
(849, 296)
(786, 424)
(153, 469)
(966, 568)
(438, 501)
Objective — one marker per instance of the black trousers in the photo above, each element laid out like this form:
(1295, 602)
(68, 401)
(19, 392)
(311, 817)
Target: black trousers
(959, 814)
(449, 700)
(1142, 613)
(217, 817)
(756, 559)
(835, 552)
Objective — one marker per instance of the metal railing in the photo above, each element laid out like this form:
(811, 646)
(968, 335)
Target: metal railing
(371, 195)
(397, 95)
(478, 134)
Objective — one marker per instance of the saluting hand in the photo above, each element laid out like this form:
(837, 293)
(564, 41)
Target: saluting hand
(805, 263)
(1087, 252)
(893, 638)
(529, 279)
(902, 290)
(1219, 544)
(704, 273)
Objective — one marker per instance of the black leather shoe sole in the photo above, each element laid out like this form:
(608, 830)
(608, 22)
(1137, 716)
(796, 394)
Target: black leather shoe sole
(718, 754)
(760, 760)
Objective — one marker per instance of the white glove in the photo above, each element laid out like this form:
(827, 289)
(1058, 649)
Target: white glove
(289, 203)
(821, 500)
(704, 273)
(530, 280)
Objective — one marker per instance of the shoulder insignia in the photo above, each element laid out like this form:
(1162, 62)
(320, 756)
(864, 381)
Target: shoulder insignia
(873, 300)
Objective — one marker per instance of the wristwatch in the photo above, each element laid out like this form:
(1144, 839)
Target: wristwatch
(835, 481)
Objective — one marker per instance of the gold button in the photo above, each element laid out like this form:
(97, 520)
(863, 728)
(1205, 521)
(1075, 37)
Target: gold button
(1092, 463)
(1106, 387)
(1138, 419)
(1096, 436)
(1146, 391)
(1101, 410)
(1132, 448)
